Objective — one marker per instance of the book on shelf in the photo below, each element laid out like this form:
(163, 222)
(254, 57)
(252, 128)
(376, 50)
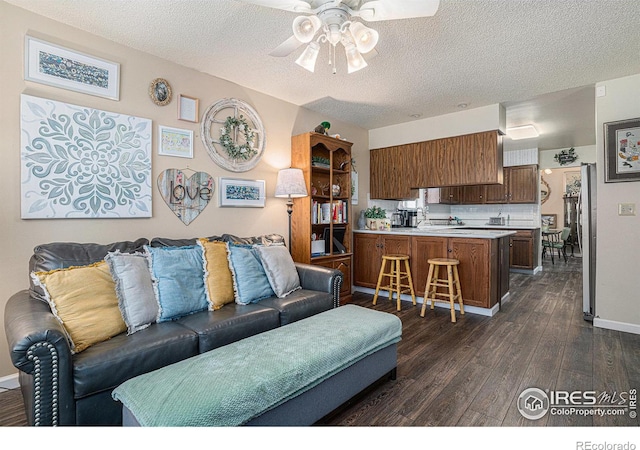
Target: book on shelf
(327, 212)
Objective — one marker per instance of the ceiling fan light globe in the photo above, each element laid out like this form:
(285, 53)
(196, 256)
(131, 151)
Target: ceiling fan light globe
(305, 27)
(364, 37)
(307, 60)
(355, 61)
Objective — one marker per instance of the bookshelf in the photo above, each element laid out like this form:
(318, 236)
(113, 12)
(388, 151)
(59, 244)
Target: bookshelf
(326, 164)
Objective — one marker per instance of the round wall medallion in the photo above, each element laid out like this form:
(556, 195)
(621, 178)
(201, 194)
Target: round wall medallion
(160, 91)
(233, 135)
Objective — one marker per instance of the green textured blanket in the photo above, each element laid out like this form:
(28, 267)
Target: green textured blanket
(231, 385)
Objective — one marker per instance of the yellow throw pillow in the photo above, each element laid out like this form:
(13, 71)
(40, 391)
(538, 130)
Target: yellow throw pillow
(217, 275)
(84, 301)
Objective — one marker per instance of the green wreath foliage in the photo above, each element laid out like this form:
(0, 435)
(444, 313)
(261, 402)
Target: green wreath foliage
(238, 152)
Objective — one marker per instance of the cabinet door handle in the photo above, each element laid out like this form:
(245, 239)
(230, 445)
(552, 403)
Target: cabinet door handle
(449, 250)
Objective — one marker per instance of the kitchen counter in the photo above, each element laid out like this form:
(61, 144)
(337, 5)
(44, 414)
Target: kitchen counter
(460, 231)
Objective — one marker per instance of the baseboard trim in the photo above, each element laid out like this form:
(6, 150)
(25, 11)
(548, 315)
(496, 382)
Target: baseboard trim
(9, 382)
(490, 312)
(617, 326)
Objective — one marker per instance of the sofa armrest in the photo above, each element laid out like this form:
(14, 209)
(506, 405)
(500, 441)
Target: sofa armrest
(319, 278)
(39, 348)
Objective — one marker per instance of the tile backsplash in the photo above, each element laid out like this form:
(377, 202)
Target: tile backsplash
(477, 215)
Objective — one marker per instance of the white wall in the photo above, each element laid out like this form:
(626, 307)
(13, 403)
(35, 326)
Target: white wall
(281, 120)
(586, 154)
(467, 121)
(618, 237)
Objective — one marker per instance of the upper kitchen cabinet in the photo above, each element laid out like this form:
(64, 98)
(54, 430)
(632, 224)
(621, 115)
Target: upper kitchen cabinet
(474, 159)
(393, 170)
(520, 186)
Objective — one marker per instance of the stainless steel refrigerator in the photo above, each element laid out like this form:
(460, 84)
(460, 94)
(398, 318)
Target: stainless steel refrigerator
(587, 238)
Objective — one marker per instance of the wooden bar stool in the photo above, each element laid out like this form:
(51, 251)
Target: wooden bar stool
(452, 283)
(399, 281)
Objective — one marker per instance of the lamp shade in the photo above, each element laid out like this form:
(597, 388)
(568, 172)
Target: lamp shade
(305, 27)
(308, 58)
(365, 38)
(290, 184)
(355, 61)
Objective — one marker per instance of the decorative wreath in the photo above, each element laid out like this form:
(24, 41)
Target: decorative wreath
(244, 151)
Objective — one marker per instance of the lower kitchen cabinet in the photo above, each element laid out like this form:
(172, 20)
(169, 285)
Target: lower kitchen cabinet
(482, 269)
(524, 249)
(368, 251)
(343, 264)
(478, 269)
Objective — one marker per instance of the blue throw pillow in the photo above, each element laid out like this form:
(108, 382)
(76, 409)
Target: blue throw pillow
(250, 282)
(178, 276)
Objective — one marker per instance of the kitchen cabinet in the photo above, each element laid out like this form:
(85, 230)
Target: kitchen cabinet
(343, 264)
(368, 251)
(474, 159)
(395, 171)
(451, 195)
(524, 249)
(478, 269)
(473, 195)
(520, 186)
(481, 278)
(325, 162)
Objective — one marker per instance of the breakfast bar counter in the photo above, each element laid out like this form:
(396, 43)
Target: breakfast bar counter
(483, 256)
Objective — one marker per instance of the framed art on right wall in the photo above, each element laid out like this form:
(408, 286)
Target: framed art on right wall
(622, 150)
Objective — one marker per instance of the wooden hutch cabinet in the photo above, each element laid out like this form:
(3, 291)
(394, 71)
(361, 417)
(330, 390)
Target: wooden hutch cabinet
(326, 212)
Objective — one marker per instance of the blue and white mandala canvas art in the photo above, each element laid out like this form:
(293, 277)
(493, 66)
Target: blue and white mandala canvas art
(79, 162)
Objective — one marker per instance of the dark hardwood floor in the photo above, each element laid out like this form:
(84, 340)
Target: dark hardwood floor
(471, 373)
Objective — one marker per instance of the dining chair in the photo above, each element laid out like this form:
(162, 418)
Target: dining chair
(556, 241)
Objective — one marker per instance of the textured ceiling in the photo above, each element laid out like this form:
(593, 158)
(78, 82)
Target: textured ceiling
(478, 52)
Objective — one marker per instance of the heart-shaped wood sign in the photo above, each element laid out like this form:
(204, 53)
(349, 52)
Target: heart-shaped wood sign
(185, 196)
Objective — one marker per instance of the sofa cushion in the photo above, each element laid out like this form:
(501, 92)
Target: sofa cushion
(108, 364)
(250, 282)
(59, 255)
(279, 268)
(300, 304)
(178, 277)
(136, 297)
(230, 324)
(218, 281)
(84, 300)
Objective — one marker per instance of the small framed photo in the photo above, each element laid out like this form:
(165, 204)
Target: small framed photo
(549, 220)
(188, 108)
(175, 142)
(64, 68)
(622, 150)
(160, 92)
(236, 192)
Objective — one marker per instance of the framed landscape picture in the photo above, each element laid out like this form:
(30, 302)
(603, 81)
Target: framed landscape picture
(241, 193)
(622, 150)
(62, 67)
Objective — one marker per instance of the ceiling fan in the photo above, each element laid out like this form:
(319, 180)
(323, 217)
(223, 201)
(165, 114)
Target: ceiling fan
(332, 21)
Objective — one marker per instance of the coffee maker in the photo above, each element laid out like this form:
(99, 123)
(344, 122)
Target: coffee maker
(409, 218)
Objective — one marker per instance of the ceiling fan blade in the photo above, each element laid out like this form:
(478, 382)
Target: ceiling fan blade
(286, 47)
(298, 6)
(377, 10)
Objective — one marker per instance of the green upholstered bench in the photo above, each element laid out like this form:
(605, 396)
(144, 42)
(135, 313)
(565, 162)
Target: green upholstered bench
(293, 375)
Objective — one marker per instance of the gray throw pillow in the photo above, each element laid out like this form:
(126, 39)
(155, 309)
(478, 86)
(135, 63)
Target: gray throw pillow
(280, 269)
(134, 289)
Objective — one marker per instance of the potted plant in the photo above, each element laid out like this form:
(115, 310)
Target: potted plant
(377, 218)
